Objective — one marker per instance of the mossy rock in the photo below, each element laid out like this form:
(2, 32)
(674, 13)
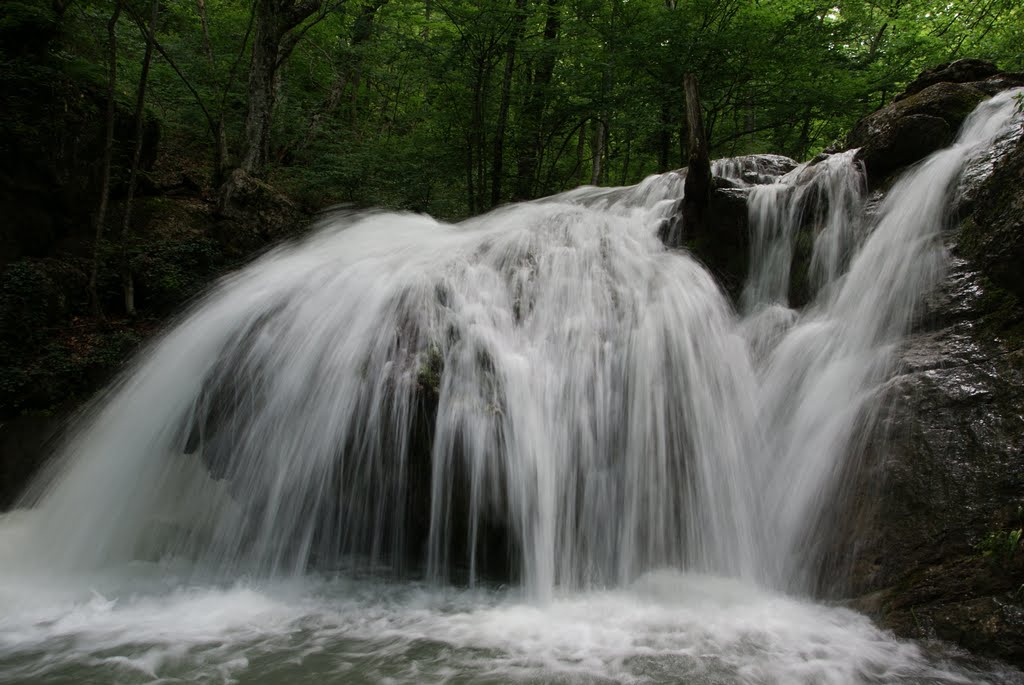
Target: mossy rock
(910, 129)
(967, 70)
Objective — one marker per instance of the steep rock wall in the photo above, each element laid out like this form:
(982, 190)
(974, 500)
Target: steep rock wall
(928, 531)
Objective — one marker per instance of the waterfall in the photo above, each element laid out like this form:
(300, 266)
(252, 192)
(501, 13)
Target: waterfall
(544, 392)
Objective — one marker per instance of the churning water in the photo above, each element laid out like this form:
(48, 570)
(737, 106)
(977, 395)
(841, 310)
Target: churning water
(285, 485)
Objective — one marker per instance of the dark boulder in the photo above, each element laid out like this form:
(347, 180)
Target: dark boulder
(961, 71)
(903, 141)
(926, 116)
(912, 128)
(752, 169)
(723, 244)
(993, 236)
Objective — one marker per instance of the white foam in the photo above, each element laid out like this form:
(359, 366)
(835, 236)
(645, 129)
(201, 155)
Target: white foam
(664, 627)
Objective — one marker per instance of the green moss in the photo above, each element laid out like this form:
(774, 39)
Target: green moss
(431, 369)
(1001, 546)
(952, 102)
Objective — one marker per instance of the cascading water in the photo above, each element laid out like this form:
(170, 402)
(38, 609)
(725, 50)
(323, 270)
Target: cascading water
(545, 394)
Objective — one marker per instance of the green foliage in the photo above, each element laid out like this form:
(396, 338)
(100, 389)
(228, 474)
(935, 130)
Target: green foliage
(169, 272)
(398, 103)
(30, 301)
(1002, 546)
(44, 361)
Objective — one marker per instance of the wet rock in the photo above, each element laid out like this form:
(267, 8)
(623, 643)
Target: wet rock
(993, 236)
(944, 475)
(999, 82)
(960, 71)
(904, 141)
(724, 244)
(912, 128)
(753, 169)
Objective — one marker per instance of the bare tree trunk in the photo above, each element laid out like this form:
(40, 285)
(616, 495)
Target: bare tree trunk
(804, 139)
(697, 187)
(664, 136)
(108, 152)
(207, 46)
(278, 28)
(133, 175)
(600, 141)
(477, 137)
(623, 179)
(470, 192)
(498, 164)
(531, 131)
(581, 147)
(597, 150)
(220, 150)
(262, 72)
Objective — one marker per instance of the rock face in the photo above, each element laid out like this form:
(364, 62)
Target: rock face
(925, 117)
(993, 234)
(912, 128)
(928, 533)
(961, 71)
(724, 245)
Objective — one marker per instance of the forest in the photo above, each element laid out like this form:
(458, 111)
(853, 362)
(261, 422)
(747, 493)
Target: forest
(453, 107)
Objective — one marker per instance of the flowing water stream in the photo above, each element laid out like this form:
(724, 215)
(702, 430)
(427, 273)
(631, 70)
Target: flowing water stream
(535, 446)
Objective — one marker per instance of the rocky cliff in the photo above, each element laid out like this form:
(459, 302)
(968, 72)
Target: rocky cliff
(931, 530)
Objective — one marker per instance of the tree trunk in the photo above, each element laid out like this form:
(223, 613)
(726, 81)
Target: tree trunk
(665, 136)
(220, 150)
(600, 142)
(133, 174)
(624, 178)
(277, 30)
(531, 142)
(207, 46)
(262, 73)
(697, 187)
(477, 137)
(597, 150)
(498, 164)
(581, 147)
(108, 152)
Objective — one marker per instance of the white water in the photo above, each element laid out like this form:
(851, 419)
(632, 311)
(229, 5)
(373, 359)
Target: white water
(602, 414)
